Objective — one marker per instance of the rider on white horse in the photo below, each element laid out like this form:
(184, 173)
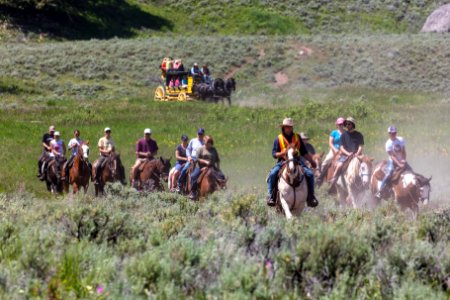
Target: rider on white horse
(279, 151)
(352, 143)
(395, 148)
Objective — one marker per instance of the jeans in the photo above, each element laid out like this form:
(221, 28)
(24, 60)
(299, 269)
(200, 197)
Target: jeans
(389, 171)
(182, 177)
(194, 178)
(273, 176)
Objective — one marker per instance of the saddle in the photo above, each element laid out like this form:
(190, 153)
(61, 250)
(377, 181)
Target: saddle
(142, 165)
(203, 171)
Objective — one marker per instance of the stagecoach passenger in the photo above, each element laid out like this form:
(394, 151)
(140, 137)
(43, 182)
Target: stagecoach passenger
(206, 75)
(73, 146)
(334, 142)
(207, 156)
(46, 139)
(57, 151)
(181, 157)
(288, 138)
(106, 146)
(146, 149)
(395, 148)
(352, 143)
(179, 67)
(191, 153)
(196, 73)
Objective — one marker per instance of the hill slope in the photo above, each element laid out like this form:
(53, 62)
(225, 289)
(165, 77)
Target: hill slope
(132, 18)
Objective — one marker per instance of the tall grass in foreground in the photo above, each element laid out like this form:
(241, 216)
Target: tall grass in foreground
(130, 245)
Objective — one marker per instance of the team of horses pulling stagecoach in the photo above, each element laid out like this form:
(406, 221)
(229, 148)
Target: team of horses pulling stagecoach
(180, 85)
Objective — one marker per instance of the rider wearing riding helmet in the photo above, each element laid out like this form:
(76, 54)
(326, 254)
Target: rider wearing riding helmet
(106, 146)
(191, 153)
(352, 142)
(146, 149)
(395, 148)
(207, 156)
(46, 139)
(334, 142)
(181, 157)
(58, 150)
(279, 151)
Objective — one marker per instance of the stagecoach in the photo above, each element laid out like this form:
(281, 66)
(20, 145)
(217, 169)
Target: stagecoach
(183, 91)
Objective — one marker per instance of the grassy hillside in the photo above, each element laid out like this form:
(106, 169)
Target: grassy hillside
(25, 20)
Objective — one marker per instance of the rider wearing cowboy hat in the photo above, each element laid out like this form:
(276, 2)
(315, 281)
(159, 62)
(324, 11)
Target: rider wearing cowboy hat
(279, 151)
(352, 143)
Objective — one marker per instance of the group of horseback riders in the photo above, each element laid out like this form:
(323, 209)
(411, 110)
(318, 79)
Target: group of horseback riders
(198, 153)
(344, 145)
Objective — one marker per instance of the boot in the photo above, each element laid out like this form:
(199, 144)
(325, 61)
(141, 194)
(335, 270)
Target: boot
(193, 195)
(271, 201)
(311, 200)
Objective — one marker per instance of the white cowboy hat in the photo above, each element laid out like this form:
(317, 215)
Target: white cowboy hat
(304, 136)
(107, 129)
(287, 122)
(148, 130)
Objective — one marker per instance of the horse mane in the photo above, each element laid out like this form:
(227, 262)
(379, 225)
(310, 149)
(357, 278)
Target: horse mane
(353, 170)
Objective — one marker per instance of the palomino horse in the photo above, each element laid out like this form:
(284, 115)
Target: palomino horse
(353, 184)
(80, 172)
(52, 179)
(408, 187)
(112, 171)
(292, 187)
(210, 181)
(151, 173)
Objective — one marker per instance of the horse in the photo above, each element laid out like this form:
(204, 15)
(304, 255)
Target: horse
(151, 173)
(211, 180)
(223, 89)
(204, 91)
(80, 172)
(52, 179)
(407, 187)
(292, 187)
(112, 171)
(318, 159)
(354, 182)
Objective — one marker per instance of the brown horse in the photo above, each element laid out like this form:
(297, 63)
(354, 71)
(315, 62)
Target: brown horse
(211, 180)
(151, 173)
(407, 187)
(318, 159)
(112, 171)
(80, 172)
(52, 179)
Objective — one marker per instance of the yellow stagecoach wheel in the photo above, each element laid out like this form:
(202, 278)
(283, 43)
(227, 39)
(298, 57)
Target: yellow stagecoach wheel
(182, 96)
(160, 93)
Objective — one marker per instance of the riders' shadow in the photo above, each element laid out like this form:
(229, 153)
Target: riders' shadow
(83, 19)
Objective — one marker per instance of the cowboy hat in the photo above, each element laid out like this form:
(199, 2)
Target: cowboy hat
(287, 122)
(304, 136)
(351, 120)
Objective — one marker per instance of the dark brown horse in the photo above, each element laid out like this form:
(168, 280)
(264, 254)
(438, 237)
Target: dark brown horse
(223, 89)
(80, 172)
(211, 180)
(407, 187)
(53, 175)
(112, 171)
(151, 173)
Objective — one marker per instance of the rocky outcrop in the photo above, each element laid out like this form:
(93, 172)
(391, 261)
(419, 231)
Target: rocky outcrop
(438, 21)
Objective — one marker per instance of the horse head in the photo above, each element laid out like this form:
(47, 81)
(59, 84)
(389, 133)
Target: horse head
(164, 168)
(424, 188)
(230, 84)
(85, 149)
(365, 169)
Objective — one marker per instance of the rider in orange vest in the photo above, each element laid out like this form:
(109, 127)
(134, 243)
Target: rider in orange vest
(279, 151)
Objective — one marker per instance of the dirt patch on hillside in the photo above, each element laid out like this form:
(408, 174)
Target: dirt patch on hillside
(281, 79)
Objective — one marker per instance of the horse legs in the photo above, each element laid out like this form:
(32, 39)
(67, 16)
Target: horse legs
(75, 187)
(229, 100)
(286, 209)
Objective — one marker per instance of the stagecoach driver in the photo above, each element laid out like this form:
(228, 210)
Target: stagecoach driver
(146, 149)
(352, 142)
(106, 146)
(191, 153)
(279, 151)
(395, 148)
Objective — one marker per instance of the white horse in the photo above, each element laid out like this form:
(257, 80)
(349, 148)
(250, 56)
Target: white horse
(292, 187)
(353, 185)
